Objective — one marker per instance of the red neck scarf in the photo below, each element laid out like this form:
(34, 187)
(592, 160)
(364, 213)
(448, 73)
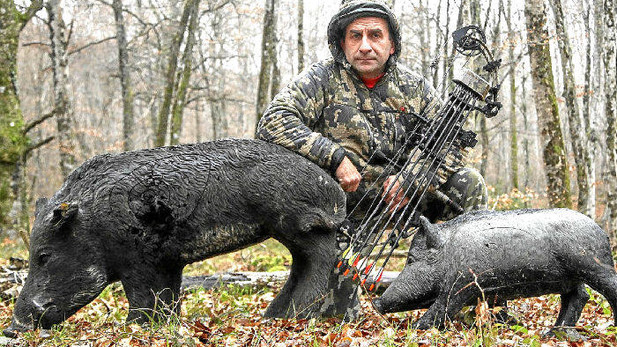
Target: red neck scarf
(370, 82)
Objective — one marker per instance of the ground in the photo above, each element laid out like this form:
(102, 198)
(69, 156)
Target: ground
(231, 316)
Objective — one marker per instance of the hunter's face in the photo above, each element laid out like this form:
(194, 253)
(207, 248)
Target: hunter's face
(367, 45)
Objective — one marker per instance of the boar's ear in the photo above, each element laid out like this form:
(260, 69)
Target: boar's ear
(433, 237)
(40, 203)
(64, 213)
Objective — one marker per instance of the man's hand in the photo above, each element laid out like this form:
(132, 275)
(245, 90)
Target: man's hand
(395, 194)
(348, 176)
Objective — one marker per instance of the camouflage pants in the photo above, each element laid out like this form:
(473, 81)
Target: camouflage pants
(465, 187)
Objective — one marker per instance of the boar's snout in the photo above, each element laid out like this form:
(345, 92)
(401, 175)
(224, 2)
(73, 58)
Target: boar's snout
(29, 314)
(378, 306)
(16, 328)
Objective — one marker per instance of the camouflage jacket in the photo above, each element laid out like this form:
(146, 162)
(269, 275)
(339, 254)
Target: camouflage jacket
(328, 113)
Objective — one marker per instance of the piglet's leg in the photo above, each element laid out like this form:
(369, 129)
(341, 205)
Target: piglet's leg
(153, 294)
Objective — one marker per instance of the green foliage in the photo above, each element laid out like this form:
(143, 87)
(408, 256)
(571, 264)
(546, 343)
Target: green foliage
(270, 263)
(13, 141)
(512, 200)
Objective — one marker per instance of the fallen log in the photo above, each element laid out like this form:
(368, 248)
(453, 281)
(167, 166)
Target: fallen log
(256, 279)
(13, 277)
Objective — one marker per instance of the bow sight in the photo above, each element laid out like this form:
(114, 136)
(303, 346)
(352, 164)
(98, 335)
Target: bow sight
(437, 134)
(470, 41)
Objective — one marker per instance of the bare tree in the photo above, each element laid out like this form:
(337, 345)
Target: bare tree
(512, 77)
(546, 105)
(591, 135)
(577, 127)
(128, 119)
(269, 72)
(300, 35)
(170, 75)
(62, 105)
(181, 88)
(438, 39)
(14, 141)
(610, 65)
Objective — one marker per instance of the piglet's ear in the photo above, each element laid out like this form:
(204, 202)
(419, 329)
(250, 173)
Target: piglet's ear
(433, 236)
(40, 204)
(64, 213)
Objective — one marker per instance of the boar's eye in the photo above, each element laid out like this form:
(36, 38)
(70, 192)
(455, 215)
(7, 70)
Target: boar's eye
(43, 258)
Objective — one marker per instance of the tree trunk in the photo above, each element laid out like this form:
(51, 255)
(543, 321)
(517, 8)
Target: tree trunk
(577, 127)
(446, 62)
(170, 75)
(526, 130)
(422, 33)
(610, 97)
(438, 36)
(589, 124)
(555, 159)
(187, 58)
(479, 117)
(198, 112)
(13, 139)
(269, 68)
(62, 104)
(513, 129)
(128, 118)
(300, 35)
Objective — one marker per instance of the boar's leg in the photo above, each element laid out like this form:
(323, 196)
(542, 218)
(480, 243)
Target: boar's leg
(447, 304)
(604, 281)
(572, 304)
(153, 294)
(312, 288)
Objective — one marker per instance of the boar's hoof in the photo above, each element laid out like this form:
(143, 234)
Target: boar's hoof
(421, 325)
(505, 318)
(424, 324)
(564, 333)
(10, 332)
(15, 328)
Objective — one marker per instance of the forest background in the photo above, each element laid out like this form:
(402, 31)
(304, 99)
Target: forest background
(80, 78)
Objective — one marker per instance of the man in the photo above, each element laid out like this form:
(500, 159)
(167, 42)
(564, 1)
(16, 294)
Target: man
(342, 111)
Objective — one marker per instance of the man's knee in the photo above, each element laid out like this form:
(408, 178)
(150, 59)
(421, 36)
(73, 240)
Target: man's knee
(467, 188)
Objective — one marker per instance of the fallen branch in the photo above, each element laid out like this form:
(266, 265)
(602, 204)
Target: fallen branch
(255, 279)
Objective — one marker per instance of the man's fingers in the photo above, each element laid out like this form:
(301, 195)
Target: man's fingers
(351, 183)
(348, 176)
(394, 194)
(397, 205)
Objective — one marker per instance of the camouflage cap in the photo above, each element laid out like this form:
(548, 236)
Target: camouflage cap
(352, 10)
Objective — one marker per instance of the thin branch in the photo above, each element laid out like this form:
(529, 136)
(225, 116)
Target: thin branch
(38, 145)
(68, 37)
(35, 43)
(88, 45)
(38, 121)
(134, 15)
(216, 8)
(35, 6)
